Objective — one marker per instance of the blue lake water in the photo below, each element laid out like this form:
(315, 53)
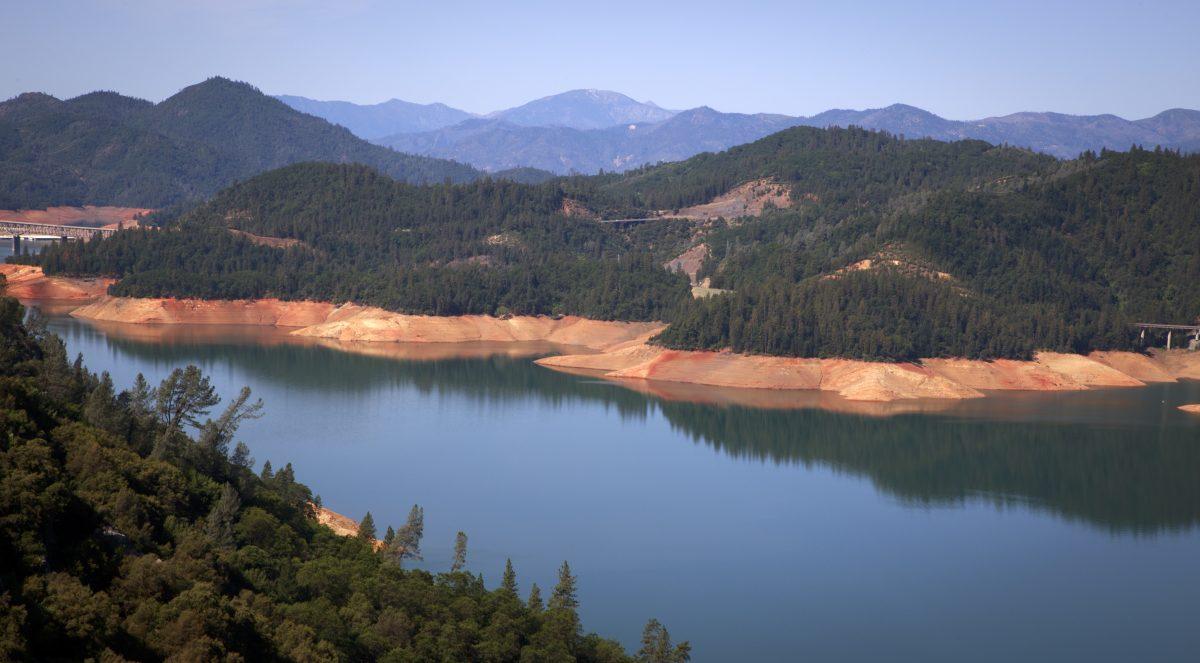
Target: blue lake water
(1024, 527)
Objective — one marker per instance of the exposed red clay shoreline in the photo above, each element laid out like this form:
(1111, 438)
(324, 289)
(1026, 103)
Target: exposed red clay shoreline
(1191, 409)
(882, 382)
(28, 282)
(621, 352)
(353, 323)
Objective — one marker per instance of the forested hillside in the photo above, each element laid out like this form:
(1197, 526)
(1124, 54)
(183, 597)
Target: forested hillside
(492, 247)
(125, 537)
(1064, 261)
(880, 248)
(106, 149)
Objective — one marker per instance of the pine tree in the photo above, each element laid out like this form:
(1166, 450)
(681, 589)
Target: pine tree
(657, 648)
(389, 537)
(267, 473)
(460, 552)
(564, 596)
(535, 599)
(407, 544)
(141, 397)
(366, 528)
(241, 456)
(219, 524)
(101, 408)
(184, 396)
(508, 582)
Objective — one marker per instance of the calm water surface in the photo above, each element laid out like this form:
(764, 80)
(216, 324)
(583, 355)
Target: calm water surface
(1035, 527)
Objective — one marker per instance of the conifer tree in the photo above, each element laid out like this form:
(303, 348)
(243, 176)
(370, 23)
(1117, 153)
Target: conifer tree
(460, 552)
(535, 599)
(219, 524)
(564, 595)
(366, 528)
(407, 543)
(657, 648)
(508, 582)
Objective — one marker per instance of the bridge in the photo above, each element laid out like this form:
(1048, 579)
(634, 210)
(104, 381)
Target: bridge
(629, 223)
(18, 230)
(1194, 330)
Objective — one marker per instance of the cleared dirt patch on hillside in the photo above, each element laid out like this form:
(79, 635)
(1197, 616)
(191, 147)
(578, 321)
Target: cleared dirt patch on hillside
(577, 210)
(749, 199)
(895, 258)
(689, 262)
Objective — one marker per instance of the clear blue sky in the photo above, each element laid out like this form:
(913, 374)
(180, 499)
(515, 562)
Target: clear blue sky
(958, 59)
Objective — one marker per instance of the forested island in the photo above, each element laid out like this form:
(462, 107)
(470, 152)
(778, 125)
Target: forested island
(135, 529)
(871, 247)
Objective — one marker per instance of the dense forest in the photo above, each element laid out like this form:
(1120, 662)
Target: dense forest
(888, 248)
(491, 246)
(135, 529)
(106, 149)
(1062, 262)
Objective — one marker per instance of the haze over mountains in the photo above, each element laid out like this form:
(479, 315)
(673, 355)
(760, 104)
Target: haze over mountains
(591, 130)
(103, 148)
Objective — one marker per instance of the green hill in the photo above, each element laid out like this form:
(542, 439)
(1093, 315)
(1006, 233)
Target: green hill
(106, 149)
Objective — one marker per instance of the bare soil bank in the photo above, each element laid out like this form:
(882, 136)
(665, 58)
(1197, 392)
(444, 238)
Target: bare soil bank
(622, 353)
(881, 382)
(27, 282)
(341, 525)
(350, 322)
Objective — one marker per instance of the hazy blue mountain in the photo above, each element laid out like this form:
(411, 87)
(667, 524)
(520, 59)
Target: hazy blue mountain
(372, 121)
(583, 109)
(896, 119)
(499, 142)
(495, 144)
(1064, 136)
(1179, 126)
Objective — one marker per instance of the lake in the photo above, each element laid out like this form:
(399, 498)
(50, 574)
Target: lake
(1026, 526)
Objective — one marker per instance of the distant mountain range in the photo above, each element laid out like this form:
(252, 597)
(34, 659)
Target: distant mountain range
(379, 120)
(107, 149)
(591, 130)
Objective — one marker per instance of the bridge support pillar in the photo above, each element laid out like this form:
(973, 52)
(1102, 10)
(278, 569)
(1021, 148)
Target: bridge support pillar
(16, 244)
(1168, 339)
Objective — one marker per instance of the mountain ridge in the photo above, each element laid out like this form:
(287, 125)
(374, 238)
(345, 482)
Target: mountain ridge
(564, 144)
(108, 149)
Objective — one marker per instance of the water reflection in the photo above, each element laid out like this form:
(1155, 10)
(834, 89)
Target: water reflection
(1124, 460)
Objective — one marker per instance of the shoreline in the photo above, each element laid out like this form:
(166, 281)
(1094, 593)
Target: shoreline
(856, 380)
(619, 351)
